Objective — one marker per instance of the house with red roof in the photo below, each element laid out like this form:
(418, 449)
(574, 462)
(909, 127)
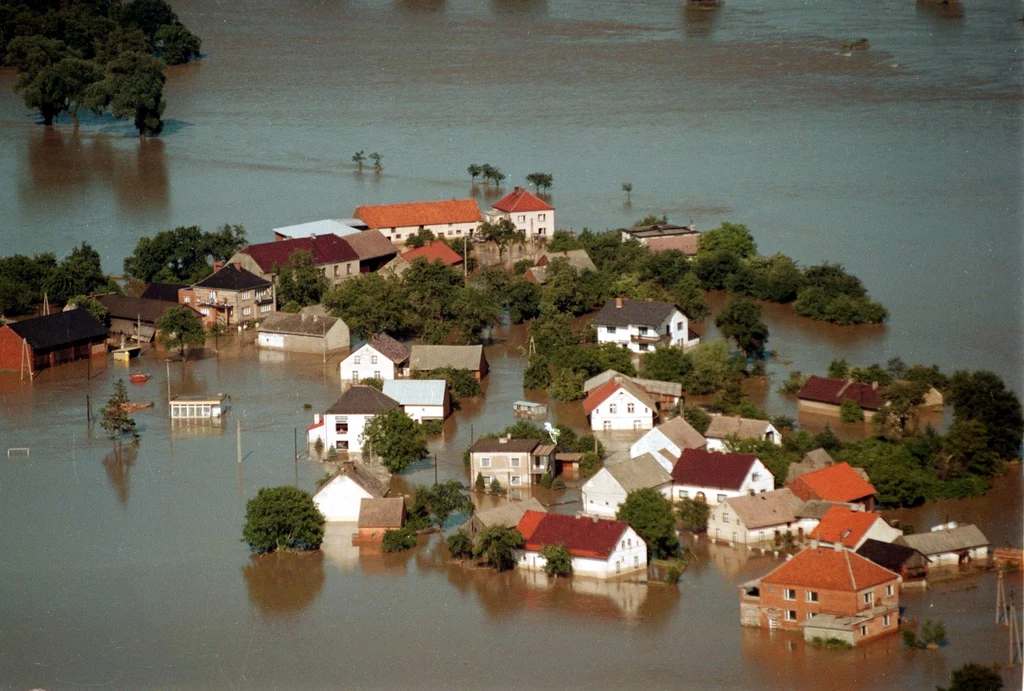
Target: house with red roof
(332, 254)
(851, 527)
(713, 477)
(825, 592)
(434, 252)
(839, 483)
(824, 395)
(453, 218)
(620, 404)
(528, 212)
(599, 548)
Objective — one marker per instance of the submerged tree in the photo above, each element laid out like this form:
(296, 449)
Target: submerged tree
(627, 187)
(181, 327)
(474, 171)
(540, 180)
(498, 545)
(115, 419)
(395, 439)
(283, 518)
(358, 158)
(133, 88)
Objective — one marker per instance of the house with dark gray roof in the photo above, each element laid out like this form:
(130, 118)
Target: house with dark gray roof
(135, 318)
(341, 497)
(427, 358)
(34, 344)
(949, 544)
(341, 427)
(382, 358)
(303, 332)
(643, 325)
(230, 296)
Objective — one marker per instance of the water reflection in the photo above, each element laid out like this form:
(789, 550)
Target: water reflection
(284, 583)
(534, 7)
(66, 163)
(421, 5)
(700, 19)
(940, 10)
(118, 467)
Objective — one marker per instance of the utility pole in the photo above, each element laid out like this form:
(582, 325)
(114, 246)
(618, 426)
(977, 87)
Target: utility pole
(168, 363)
(238, 430)
(435, 468)
(88, 409)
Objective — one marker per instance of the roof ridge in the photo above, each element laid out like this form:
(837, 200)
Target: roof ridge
(849, 568)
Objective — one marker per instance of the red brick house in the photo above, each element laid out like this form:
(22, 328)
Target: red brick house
(838, 483)
(825, 592)
(230, 296)
(30, 345)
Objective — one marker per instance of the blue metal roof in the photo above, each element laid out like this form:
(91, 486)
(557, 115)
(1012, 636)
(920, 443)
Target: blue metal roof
(416, 391)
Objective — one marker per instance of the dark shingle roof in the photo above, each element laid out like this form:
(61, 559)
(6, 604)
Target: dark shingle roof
(634, 312)
(835, 391)
(491, 445)
(233, 277)
(371, 244)
(390, 348)
(163, 291)
(362, 400)
(62, 328)
(886, 554)
(143, 309)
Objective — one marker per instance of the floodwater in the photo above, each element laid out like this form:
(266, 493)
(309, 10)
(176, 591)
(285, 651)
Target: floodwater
(902, 162)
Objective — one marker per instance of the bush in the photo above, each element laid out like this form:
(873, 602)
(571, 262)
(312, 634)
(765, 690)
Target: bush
(496, 487)
(694, 515)
(568, 385)
(461, 382)
(559, 561)
(698, 418)
(398, 540)
(283, 518)
(830, 642)
(318, 446)
(933, 633)
(520, 267)
(479, 484)
(291, 307)
(537, 374)
(558, 483)
(374, 382)
(783, 422)
(673, 575)
(650, 515)
(975, 677)
(850, 411)
(909, 638)
(589, 465)
(432, 428)
(545, 480)
(498, 545)
(460, 546)
(793, 385)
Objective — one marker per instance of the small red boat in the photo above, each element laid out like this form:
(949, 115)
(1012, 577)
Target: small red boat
(138, 377)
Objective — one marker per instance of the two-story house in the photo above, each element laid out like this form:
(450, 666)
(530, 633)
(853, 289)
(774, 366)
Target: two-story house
(341, 426)
(453, 218)
(827, 593)
(619, 404)
(602, 494)
(381, 358)
(598, 548)
(643, 325)
(332, 255)
(230, 296)
(513, 462)
(714, 477)
(528, 212)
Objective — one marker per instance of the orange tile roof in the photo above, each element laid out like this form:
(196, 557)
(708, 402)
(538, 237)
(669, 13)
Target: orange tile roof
(829, 569)
(432, 252)
(521, 199)
(842, 524)
(416, 214)
(598, 395)
(839, 482)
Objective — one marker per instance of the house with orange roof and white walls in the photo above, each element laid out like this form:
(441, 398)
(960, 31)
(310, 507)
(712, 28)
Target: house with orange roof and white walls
(528, 213)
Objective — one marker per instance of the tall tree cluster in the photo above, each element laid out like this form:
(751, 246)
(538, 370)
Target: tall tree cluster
(25, 280)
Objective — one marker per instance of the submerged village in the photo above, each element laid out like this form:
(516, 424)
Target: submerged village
(673, 453)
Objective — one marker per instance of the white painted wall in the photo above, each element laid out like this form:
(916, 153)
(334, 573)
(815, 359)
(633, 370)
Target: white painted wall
(424, 412)
(398, 236)
(270, 340)
(734, 530)
(360, 365)
(339, 499)
(764, 482)
(536, 224)
(602, 494)
(614, 410)
(676, 325)
(659, 446)
(330, 436)
(629, 556)
(718, 443)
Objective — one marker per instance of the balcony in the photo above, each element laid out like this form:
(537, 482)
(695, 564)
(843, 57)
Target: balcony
(264, 299)
(216, 304)
(649, 338)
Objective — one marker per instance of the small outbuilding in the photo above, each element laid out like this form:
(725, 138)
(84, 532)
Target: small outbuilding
(304, 332)
(949, 544)
(34, 344)
(376, 516)
(506, 515)
(135, 318)
(909, 563)
(421, 399)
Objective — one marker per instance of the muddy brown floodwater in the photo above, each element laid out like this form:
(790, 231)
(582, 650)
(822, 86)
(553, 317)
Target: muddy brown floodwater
(130, 573)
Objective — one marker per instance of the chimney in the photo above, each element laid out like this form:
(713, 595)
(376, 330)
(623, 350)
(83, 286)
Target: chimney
(874, 386)
(618, 303)
(316, 418)
(595, 519)
(517, 189)
(312, 236)
(788, 557)
(503, 440)
(814, 543)
(217, 266)
(838, 546)
(349, 465)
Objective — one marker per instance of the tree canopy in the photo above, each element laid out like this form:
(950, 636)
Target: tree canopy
(541, 180)
(282, 518)
(650, 515)
(395, 439)
(741, 321)
(300, 281)
(183, 254)
(497, 545)
(182, 328)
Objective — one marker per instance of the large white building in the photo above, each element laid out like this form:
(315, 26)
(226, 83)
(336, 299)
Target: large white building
(715, 477)
(341, 427)
(619, 404)
(643, 325)
(599, 548)
(602, 494)
(528, 212)
(667, 441)
(453, 218)
(382, 358)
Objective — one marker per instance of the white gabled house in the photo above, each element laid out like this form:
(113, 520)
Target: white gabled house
(667, 441)
(421, 399)
(619, 404)
(381, 358)
(599, 548)
(714, 477)
(528, 213)
(339, 498)
(643, 325)
(602, 494)
(341, 427)
(726, 427)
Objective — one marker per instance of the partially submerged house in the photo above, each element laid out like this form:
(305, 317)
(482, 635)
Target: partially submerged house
(599, 548)
(827, 593)
(714, 477)
(230, 296)
(852, 526)
(512, 462)
(341, 426)
(381, 358)
(373, 249)
(661, 237)
(824, 395)
(303, 332)
(602, 494)
(837, 483)
(949, 544)
(758, 518)
(643, 325)
(527, 212)
(506, 515)
(34, 344)
(421, 399)
(667, 441)
(341, 497)
(727, 427)
(332, 255)
(427, 358)
(378, 515)
(619, 404)
(910, 564)
(666, 394)
(135, 318)
(449, 218)
(577, 259)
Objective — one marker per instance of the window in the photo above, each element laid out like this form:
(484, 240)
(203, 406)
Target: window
(636, 562)
(630, 408)
(622, 544)
(721, 498)
(485, 463)
(607, 425)
(679, 326)
(213, 296)
(629, 542)
(867, 598)
(205, 312)
(335, 270)
(812, 596)
(487, 479)
(644, 347)
(514, 461)
(888, 591)
(755, 477)
(542, 231)
(376, 374)
(187, 299)
(246, 311)
(885, 621)
(612, 408)
(541, 217)
(684, 493)
(864, 630)
(725, 516)
(246, 295)
(522, 218)
(760, 535)
(516, 480)
(265, 308)
(789, 594)
(357, 359)
(373, 359)
(348, 269)
(355, 377)
(610, 329)
(810, 615)
(790, 615)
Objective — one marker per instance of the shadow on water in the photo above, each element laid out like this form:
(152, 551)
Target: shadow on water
(520, 7)
(67, 164)
(940, 10)
(700, 19)
(421, 5)
(118, 467)
(284, 583)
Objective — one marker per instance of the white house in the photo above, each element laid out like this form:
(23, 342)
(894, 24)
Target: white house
(852, 526)
(453, 218)
(643, 325)
(619, 404)
(602, 494)
(949, 544)
(667, 441)
(714, 477)
(341, 427)
(382, 358)
(599, 548)
(726, 427)
(528, 212)
(421, 399)
(340, 497)
(759, 518)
